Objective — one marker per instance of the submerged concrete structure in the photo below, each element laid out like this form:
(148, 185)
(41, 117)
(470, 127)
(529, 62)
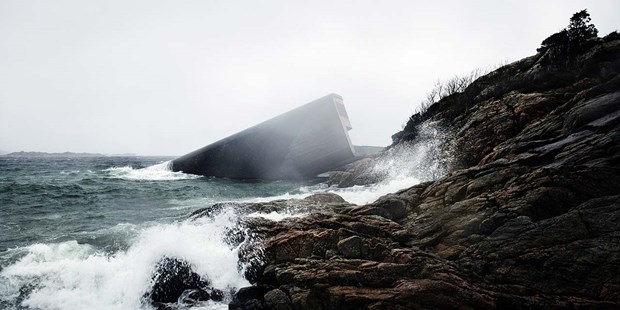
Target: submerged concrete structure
(298, 144)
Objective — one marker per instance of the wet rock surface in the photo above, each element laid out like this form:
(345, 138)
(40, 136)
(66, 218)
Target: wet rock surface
(530, 219)
(175, 281)
(360, 172)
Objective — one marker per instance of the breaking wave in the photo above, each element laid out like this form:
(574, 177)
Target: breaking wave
(115, 273)
(158, 172)
(70, 275)
(405, 165)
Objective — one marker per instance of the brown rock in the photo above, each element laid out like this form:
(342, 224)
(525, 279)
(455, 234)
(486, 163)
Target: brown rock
(278, 300)
(351, 247)
(530, 220)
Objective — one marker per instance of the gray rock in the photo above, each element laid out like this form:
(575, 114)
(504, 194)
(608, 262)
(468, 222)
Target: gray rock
(278, 300)
(351, 247)
(396, 207)
(325, 198)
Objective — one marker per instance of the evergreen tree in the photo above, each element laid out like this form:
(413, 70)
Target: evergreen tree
(578, 31)
(580, 28)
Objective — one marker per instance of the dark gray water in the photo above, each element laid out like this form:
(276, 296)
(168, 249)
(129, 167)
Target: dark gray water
(62, 216)
(60, 199)
(87, 233)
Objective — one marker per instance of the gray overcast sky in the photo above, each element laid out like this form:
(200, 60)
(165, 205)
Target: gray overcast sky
(166, 77)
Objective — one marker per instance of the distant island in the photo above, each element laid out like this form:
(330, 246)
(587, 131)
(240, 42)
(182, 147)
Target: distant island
(64, 154)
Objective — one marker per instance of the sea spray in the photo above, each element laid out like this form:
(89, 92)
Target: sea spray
(159, 172)
(426, 158)
(136, 216)
(75, 276)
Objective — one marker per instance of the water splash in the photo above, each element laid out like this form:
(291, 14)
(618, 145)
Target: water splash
(424, 159)
(158, 172)
(69, 275)
(276, 216)
(405, 165)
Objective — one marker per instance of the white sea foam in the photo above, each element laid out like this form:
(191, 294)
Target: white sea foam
(278, 197)
(359, 194)
(69, 275)
(362, 194)
(158, 172)
(276, 216)
(424, 159)
(403, 166)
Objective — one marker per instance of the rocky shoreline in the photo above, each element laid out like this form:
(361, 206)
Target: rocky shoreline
(528, 217)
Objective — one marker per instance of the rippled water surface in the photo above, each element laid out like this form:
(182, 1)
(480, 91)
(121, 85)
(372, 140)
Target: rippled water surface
(86, 233)
(60, 199)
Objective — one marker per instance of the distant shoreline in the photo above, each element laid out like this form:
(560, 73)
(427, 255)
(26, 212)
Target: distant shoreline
(64, 154)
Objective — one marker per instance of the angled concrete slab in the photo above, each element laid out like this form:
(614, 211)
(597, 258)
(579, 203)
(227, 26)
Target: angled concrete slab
(298, 144)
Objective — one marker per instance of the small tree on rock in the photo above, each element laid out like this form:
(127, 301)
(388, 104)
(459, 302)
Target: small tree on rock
(580, 28)
(568, 43)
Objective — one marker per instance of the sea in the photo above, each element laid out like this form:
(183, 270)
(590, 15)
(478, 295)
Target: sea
(88, 232)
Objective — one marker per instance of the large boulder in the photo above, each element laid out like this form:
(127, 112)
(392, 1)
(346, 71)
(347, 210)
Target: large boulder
(249, 298)
(175, 281)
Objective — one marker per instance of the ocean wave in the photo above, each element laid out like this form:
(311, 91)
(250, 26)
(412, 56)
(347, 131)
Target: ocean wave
(70, 275)
(158, 172)
(276, 216)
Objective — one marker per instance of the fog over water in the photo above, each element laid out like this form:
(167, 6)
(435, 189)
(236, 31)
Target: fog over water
(166, 77)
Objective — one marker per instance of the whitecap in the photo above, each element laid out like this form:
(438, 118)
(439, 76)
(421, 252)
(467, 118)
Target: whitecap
(276, 216)
(70, 275)
(159, 172)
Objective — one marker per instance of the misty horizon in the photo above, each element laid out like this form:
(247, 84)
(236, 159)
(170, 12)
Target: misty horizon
(157, 78)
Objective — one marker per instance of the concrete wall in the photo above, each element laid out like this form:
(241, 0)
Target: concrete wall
(299, 144)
